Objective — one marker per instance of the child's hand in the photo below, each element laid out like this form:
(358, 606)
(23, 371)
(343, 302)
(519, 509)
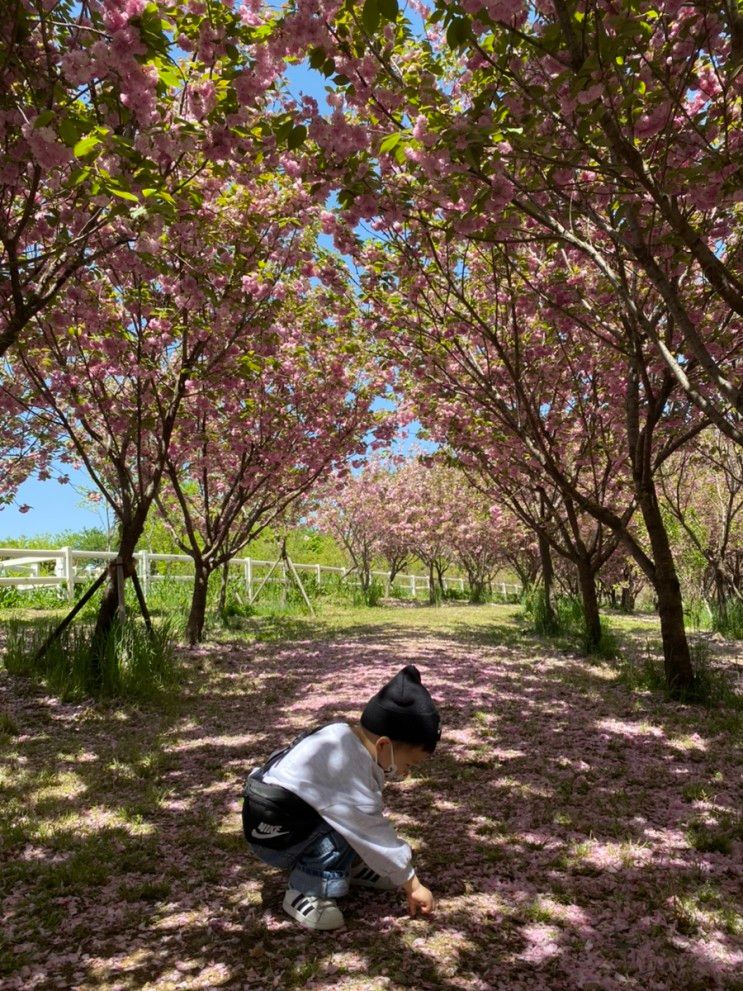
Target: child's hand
(420, 898)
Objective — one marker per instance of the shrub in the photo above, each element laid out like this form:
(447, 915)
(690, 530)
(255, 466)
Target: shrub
(461, 595)
(698, 614)
(711, 687)
(534, 604)
(728, 620)
(132, 664)
(370, 596)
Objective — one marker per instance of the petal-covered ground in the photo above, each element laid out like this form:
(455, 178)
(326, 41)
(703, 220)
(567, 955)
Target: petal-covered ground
(577, 835)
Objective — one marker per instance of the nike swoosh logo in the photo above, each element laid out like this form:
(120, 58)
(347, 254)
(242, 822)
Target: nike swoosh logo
(260, 835)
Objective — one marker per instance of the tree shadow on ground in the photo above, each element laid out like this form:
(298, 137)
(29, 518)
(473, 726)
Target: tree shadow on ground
(561, 824)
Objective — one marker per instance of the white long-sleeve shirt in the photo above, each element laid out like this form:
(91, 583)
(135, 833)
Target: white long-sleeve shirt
(333, 772)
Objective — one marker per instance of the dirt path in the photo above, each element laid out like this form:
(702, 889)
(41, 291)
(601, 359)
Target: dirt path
(578, 836)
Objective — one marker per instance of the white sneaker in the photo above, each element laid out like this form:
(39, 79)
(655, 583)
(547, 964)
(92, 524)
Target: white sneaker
(312, 912)
(364, 877)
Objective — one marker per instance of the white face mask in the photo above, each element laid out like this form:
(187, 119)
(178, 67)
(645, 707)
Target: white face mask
(390, 773)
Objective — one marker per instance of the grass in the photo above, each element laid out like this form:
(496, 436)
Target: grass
(568, 627)
(715, 837)
(8, 725)
(122, 822)
(712, 687)
(130, 664)
(728, 621)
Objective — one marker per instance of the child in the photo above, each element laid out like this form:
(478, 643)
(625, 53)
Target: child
(315, 807)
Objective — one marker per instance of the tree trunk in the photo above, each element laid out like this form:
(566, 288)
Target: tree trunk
(129, 533)
(197, 613)
(365, 576)
(720, 590)
(676, 656)
(431, 586)
(477, 591)
(592, 619)
(222, 600)
(548, 578)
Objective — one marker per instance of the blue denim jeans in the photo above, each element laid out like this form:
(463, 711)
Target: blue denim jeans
(319, 865)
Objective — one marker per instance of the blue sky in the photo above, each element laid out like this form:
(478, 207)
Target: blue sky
(54, 507)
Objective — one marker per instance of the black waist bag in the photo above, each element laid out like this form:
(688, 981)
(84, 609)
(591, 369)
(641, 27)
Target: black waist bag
(274, 817)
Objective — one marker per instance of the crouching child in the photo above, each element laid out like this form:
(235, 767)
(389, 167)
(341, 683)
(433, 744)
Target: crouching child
(315, 807)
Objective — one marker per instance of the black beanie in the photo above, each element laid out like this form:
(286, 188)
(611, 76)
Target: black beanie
(403, 710)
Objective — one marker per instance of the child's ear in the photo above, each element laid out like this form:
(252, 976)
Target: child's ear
(382, 743)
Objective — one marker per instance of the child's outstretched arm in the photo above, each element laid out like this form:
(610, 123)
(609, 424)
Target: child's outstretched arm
(419, 897)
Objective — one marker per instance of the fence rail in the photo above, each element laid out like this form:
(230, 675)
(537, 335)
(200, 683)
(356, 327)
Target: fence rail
(67, 567)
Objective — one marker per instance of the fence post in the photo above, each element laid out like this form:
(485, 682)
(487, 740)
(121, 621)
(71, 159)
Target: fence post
(413, 591)
(69, 573)
(249, 577)
(503, 591)
(144, 568)
(461, 584)
(319, 574)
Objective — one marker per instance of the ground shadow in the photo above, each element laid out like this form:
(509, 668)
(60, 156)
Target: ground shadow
(561, 824)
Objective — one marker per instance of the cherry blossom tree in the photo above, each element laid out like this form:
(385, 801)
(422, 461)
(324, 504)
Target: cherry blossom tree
(476, 538)
(133, 339)
(108, 110)
(520, 548)
(583, 544)
(703, 490)
(610, 130)
(495, 363)
(26, 441)
(282, 415)
(621, 580)
(426, 488)
(351, 508)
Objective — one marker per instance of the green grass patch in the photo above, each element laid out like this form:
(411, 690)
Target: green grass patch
(712, 686)
(8, 725)
(131, 663)
(715, 837)
(728, 620)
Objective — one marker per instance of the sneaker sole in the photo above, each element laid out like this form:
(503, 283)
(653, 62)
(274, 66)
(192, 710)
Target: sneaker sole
(323, 925)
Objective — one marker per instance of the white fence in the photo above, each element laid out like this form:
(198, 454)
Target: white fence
(66, 567)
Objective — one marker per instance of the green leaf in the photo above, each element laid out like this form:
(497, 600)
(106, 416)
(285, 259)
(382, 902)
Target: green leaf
(458, 32)
(390, 142)
(283, 130)
(168, 75)
(297, 136)
(86, 145)
(44, 118)
(80, 175)
(152, 29)
(389, 9)
(370, 15)
(123, 194)
(69, 131)
(317, 58)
